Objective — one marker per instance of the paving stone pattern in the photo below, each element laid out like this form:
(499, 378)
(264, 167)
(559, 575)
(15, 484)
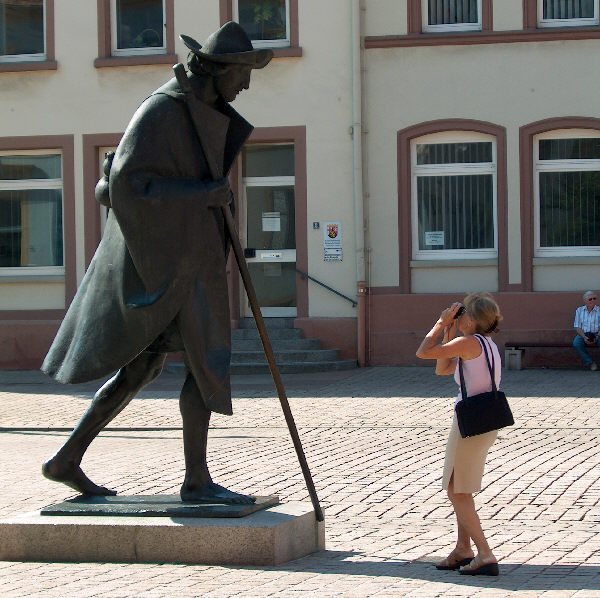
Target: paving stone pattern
(374, 439)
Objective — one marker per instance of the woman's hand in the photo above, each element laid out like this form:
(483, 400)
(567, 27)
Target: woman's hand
(447, 316)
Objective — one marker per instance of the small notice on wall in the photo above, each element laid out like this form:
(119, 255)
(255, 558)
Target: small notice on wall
(332, 241)
(271, 221)
(434, 237)
(332, 255)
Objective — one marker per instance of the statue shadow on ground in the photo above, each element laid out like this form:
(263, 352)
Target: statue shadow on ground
(513, 576)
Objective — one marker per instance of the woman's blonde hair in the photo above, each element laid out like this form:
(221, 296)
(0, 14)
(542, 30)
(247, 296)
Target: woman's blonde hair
(484, 311)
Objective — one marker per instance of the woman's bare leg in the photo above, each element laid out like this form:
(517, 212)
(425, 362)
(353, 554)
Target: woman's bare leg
(464, 508)
(462, 550)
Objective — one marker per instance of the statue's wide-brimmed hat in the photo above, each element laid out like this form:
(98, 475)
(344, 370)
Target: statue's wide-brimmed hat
(229, 45)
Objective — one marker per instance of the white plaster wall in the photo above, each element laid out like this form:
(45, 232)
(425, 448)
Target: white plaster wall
(454, 280)
(17, 296)
(507, 84)
(385, 17)
(507, 15)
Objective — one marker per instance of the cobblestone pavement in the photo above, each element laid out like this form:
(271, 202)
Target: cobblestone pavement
(374, 439)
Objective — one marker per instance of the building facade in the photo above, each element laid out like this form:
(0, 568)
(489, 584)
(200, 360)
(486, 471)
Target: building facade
(404, 153)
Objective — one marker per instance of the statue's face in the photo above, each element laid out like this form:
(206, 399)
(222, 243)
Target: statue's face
(232, 80)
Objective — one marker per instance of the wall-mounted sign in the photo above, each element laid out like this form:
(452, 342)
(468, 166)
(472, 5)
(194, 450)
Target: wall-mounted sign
(332, 255)
(271, 221)
(332, 235)
(434, 237)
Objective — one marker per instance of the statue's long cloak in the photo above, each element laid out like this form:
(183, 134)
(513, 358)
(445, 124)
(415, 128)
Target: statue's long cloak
(161, 263)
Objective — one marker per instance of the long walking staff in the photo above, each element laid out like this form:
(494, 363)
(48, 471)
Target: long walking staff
(260, 324)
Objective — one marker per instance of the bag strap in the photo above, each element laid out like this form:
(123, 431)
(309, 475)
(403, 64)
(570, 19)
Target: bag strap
(491, 368)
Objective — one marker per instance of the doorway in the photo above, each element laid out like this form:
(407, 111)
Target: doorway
(269, 218)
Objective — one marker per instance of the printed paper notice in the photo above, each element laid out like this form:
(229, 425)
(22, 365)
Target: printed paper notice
(271, 221)
(434, 237)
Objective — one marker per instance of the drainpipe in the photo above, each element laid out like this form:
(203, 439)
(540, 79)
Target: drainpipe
(357, 153)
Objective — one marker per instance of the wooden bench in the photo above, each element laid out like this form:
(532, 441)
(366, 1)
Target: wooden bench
(513, 351)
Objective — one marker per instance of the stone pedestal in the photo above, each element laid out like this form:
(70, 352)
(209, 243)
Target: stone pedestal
(267, 537)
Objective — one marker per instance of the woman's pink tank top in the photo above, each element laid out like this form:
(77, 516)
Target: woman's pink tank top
(476, 372)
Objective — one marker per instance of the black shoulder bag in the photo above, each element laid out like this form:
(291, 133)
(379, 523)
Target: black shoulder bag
(486, 411)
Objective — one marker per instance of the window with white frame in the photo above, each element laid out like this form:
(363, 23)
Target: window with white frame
(138, 27)
(451, 15)
(561, 13)
(567, 193)
(267, 22)
(454, 194)
(31, 211)
(22, 30)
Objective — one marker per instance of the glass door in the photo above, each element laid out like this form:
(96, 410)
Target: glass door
(270, 228)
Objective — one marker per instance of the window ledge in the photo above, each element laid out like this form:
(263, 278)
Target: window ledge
(567, 260)
(110, 61)
(31, 278)
(546, 34)
(291, 51)
(28, 65)
(459, 263)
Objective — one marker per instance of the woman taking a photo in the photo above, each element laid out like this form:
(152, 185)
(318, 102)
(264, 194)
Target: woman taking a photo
(476, 318)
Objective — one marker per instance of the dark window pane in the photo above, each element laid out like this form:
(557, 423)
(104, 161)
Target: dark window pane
(271, 217)
(21, 27)
(569, 209)
(31, 228)
(584, 148)
(139, 24)
(449, 12)
(454, 153)
(263, 19)
(275, 283)
(568, 9)
(30, 167)
(274, 160)
(455, 212)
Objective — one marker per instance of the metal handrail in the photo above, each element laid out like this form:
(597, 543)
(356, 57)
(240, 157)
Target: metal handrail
(305, 275)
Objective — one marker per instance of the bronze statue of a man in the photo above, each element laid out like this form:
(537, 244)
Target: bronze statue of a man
(157, 282)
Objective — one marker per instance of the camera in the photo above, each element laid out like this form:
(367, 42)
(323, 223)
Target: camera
(460, 312)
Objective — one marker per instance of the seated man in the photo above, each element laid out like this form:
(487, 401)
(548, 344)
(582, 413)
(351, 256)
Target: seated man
(587, 325)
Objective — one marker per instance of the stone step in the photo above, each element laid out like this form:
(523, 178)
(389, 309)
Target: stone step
(293, 368)
(269, 323)
(286, 356)
(291, 344)
(274, 333)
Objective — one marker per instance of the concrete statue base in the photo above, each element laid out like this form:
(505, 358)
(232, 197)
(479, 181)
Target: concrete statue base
(270, 536)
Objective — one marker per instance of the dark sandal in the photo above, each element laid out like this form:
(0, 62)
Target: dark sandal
(455, 566)
(489, 569)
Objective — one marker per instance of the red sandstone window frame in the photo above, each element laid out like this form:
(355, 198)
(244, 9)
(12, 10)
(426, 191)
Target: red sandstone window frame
(105, 56)
(527, 136)
(294, 49)
(405, 178)
(530, 17)
(64, 144)
(49, 62)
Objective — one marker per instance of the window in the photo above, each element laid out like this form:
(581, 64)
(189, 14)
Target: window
(31, 211)
(454, 196)
(451, 15)
(22, 30)
(267, 22)
(138, 27)
(567, 193)
(561, 13)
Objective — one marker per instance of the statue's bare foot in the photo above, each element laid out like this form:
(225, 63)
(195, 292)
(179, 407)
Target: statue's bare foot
(72, 475)
(213, 493)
